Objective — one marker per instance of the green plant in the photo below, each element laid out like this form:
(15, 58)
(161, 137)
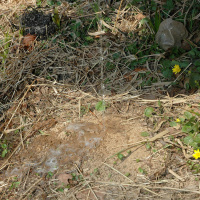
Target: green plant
(101, 106)
(191, 126)
(120, 156)
(4, 150)
(144, 134)
(53, 2)
(142, 171)
(6, 45)
(149, 111)
(55, 16)
(49, 175)
(14, 184)
(77, 177)
(194, 167)
(39, 2)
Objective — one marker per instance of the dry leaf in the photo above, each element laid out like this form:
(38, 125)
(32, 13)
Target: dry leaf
(28, 42)
(64, 178)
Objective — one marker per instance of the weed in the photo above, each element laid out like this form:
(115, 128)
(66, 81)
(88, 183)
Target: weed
(149, 111)
(127, 174)
(15, 184)
(4, 150)
(77, 177)
(6, 45)
(191, 126)
(142, 171)
(101, 106)
(49, 175)
(194, 167)
(144, 134)
(148, 146)
(120, 156)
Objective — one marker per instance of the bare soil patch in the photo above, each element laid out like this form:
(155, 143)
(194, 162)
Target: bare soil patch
(73, 123)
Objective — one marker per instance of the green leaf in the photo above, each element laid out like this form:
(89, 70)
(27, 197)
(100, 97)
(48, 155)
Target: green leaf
(188, 140)
(140, 170)
(188, 115)
(127, 174)
(169, 5)
(197, 138)
(4, 152)
(167, 73)
(157, 21)
(196, 127)
(172, 124)
(148, 111)
(100, 106)
(4, 146)
(186, 129)
(120, 156)
(182, 119)
(148, 146)
(144, 134)
(194, 79)
(58, 3)
(56, 18)
(50, 2)
(159, 103)
(194, 145)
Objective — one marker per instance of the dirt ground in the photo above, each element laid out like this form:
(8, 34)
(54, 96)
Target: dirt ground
(73, 115)
(61, 155)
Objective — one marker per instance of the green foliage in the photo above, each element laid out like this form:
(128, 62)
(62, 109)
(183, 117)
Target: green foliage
(4, 150)
(6, 44)
(120, 156)
(169, 6)
(53, 3)
(157, 21)
(56, 18)
(142, 171)
(172, 124)
(191, 126)
(77, 177)
(127, 174)
(100, 106)
(38, 2)
(149, 111)
(14, 184)
(194, 167)
(49, 175)
(148, 146)
(144, 134)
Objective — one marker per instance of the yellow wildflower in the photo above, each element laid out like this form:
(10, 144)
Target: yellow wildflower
(176, 69)
(178, 120)
(196, 154)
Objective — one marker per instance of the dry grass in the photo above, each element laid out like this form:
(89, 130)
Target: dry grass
(39, 86)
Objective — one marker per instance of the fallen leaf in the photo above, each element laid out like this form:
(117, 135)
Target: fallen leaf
(28, 42)
(64, 178)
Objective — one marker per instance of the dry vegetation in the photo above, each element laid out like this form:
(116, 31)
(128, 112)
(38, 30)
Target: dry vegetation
(98, 80)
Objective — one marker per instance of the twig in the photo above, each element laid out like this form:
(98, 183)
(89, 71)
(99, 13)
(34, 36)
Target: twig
(130, 179)
(17, 108)
(30, 188)
(87, 183)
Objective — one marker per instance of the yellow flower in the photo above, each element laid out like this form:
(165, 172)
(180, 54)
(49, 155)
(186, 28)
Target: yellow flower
(176, 69)
(178, 120)
(196, 154)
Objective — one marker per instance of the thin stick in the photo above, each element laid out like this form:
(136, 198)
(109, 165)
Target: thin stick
(130, 179)
(17, 108)
(87, 182)
(30, 188)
